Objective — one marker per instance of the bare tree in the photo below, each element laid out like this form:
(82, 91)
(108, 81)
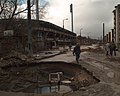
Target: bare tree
(9, 9)
(42, 8)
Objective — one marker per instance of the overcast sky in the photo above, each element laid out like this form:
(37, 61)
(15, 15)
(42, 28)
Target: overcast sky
(88, 14)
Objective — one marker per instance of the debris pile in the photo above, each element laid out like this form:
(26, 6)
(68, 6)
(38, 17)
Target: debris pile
(12, 58)
(81, 80)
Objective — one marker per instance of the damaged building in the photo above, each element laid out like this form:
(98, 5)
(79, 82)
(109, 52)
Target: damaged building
(45, 35)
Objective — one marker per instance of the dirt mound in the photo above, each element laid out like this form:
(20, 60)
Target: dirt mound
(13, 59)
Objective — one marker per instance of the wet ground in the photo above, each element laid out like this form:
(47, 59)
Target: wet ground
(106, 69)
(102, 67)
(27, 77)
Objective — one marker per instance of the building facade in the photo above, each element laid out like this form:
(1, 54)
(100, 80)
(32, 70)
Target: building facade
(116, 13)
(45, 35)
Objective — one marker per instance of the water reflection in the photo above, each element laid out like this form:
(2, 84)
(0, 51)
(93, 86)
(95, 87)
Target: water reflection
(48, 89)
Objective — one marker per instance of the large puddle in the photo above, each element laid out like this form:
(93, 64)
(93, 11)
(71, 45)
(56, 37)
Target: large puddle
(48, 89)
(35, 78)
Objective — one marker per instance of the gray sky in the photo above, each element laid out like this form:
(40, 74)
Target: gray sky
(88, 14)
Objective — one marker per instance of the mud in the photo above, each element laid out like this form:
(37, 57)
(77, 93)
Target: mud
(21, 78)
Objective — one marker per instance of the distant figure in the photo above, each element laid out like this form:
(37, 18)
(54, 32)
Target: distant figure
(70, 47)
(77, 52)
(112, 48)
(107, 48)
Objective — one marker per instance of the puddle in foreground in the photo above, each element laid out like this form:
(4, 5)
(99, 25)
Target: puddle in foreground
(47, 89)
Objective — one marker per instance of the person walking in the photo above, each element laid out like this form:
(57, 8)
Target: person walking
(77, 52)
(107, 48)
(112, 48)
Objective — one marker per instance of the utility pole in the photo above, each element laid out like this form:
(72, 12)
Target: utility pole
(103, 33)
(80, 31)
(37, 9)
(29, 28)
(71, 10)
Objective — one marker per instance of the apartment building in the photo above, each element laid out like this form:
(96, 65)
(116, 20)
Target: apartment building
(45, 35)
(116, 13)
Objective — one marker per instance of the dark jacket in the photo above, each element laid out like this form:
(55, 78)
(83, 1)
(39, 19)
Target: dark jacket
(112, 46)
(76, 50)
